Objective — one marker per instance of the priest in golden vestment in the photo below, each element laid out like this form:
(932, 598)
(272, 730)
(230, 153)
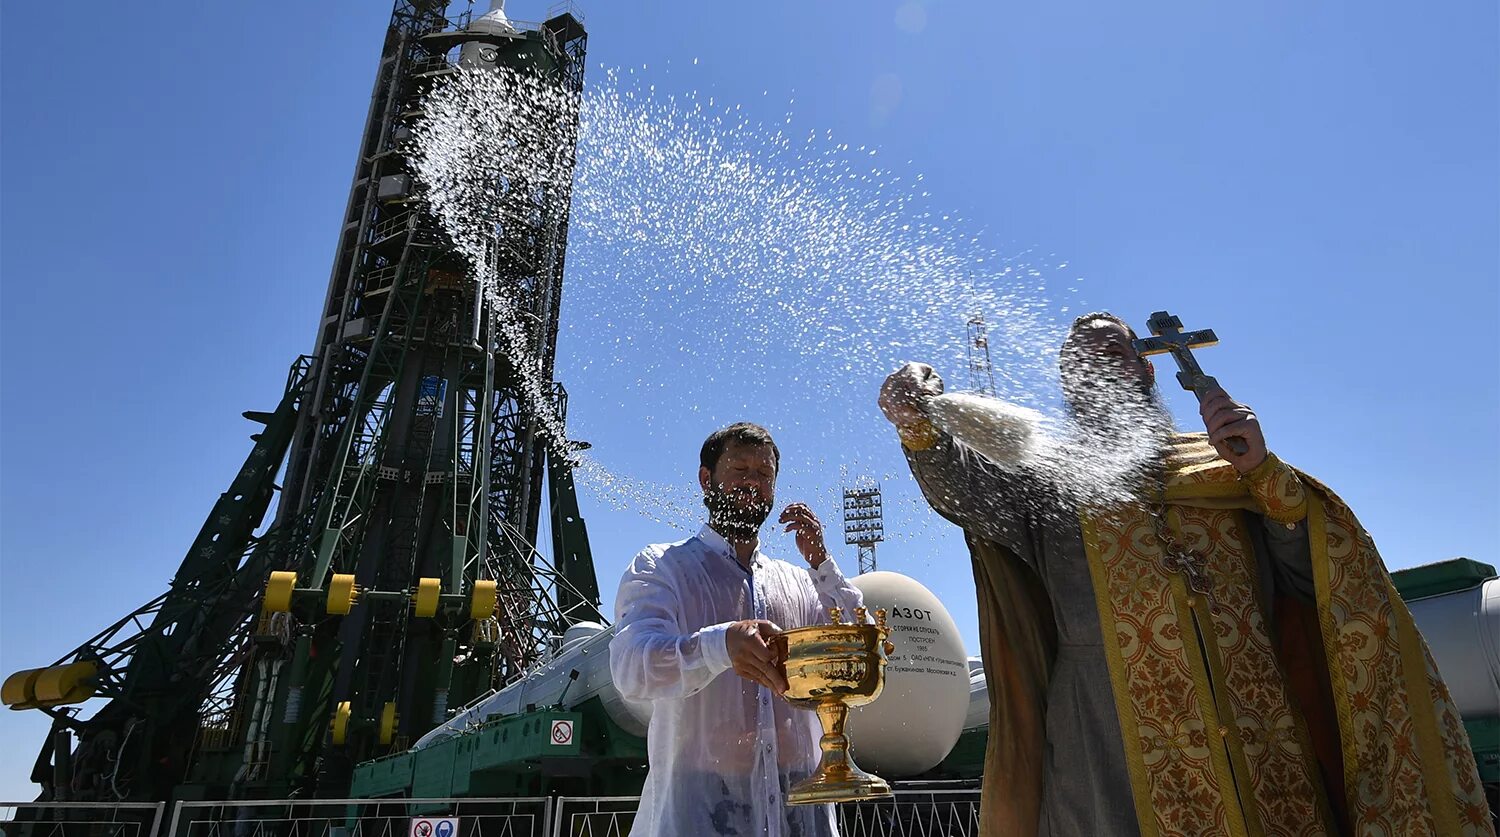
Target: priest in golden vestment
(1216, 649)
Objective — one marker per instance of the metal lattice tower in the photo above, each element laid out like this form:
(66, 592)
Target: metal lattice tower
(405, 577)
(864, 524)
(981, 370)
(421, 462)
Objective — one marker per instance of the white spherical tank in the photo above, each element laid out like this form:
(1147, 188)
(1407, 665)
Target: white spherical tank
(918, 717)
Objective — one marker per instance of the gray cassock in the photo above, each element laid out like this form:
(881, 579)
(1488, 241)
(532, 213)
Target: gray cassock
(1085, 785)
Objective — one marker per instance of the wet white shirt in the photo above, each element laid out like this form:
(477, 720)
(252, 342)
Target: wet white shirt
(723, 750)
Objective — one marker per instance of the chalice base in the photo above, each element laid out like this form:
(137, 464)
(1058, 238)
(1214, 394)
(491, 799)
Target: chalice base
(838, 782)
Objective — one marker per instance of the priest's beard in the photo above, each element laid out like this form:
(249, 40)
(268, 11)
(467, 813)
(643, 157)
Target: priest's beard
(736, 513)
(1115, 411)
(1121, 428)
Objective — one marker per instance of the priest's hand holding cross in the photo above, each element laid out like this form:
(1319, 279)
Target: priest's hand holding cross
(1226, 419)
(1232, 427)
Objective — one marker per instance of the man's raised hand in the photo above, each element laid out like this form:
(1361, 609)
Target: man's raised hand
(800, 519)
(904, 394)
(751, 656)
(1224, 418)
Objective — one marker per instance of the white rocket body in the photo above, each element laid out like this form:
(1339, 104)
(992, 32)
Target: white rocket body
(909, 729)
(585, 648)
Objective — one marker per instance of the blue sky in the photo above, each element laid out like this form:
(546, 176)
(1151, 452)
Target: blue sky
(1318, 183)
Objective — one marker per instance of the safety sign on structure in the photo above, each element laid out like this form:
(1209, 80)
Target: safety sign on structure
(562, 733)
(434, 827)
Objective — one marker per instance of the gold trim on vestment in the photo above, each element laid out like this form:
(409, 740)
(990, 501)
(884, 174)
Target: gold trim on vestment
(1407, 767)
(1223, 721)
(918, 435)
(1202, 669)
(1317, 521)
(1277, 490)
(1424, 724)
(1214, 720)
(1135, 763)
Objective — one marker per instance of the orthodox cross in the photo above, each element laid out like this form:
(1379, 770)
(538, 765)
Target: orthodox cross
(1177, 558)
(1167, 336)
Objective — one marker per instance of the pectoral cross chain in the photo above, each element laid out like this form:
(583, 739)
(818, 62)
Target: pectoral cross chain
(1178, 559)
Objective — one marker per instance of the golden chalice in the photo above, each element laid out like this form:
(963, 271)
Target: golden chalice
(830, 668)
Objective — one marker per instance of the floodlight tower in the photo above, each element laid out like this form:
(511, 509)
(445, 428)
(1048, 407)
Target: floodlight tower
(864, 524)
(981, 370)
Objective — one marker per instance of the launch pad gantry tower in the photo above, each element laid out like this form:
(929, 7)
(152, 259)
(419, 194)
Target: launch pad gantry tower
(399, 577)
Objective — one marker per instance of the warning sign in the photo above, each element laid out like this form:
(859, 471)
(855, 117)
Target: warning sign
(562, 733)
(434, 827)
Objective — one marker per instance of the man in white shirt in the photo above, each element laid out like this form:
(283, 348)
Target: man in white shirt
(724, 749)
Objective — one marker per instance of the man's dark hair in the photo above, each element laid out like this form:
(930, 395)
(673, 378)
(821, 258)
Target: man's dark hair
(743, 433)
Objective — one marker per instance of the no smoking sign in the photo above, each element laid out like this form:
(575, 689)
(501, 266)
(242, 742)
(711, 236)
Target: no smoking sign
(562, 733)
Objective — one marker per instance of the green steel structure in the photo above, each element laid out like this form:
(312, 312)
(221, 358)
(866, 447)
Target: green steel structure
(399, 575)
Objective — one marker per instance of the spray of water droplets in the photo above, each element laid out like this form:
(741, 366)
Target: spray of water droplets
(486, 171)
(1101, 456)
(722, 268)
(799, 244)
(493, 156)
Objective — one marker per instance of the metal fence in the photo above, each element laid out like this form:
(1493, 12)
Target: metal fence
(931, 812)
(594, 816)
(81, 819)
(912, 812)
(529, 817)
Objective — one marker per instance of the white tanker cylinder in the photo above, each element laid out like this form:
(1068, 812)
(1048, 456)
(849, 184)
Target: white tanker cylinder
(585, 649)
(921, 712)
(978, 715)
(908, 730)
(1462, 629)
